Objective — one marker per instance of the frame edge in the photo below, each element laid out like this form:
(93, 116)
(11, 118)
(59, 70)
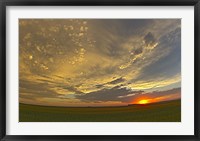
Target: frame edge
(197, 68)
(3, 70)
(3, 135)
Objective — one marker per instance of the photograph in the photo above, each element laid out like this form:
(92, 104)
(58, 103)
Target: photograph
(99, 70)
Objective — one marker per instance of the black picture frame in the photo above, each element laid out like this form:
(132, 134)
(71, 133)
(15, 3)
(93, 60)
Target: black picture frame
(5, 3)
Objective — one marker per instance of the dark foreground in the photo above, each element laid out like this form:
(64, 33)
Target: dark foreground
(157, 112)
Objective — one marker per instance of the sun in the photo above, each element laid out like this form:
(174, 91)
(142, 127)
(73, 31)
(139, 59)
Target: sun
(144, 101)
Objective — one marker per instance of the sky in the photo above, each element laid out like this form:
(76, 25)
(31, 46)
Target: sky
(99, 62)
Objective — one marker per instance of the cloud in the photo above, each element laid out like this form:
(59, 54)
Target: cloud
(169, 64)
(43, 88)
(149, 39)
(86, 57)
(106, 94)
(128, 96)
(137, 51)
(117, 81)
(34, 90)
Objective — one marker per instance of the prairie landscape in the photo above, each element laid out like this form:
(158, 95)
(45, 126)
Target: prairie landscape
(169, 111)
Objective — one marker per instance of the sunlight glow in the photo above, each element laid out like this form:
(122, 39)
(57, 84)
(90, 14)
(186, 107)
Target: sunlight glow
(144, 101)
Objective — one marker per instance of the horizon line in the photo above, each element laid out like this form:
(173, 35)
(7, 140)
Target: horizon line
(99, 106)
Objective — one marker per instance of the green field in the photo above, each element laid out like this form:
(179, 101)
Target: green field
(157, 112)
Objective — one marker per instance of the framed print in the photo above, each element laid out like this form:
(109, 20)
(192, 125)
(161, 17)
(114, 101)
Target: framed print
(99, 70)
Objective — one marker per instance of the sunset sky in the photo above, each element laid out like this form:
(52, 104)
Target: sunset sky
(99, 62)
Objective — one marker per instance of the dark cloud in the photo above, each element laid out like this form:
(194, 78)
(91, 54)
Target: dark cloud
(69, 88)
(138, 51)
(36, 89)
(42, 89)
(124, 95)
(149, 39)
(172, 93)
(168, 65)
(116, 81)
(107, 94)
(99, 86)
(115, 35)
(166, 92)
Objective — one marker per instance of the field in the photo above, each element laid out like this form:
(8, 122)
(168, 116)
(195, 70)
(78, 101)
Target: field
(158, 112)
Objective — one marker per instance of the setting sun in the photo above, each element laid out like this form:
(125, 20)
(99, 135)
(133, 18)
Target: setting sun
(144, 101)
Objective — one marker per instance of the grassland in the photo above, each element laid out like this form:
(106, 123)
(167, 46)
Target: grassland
(158, 112)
